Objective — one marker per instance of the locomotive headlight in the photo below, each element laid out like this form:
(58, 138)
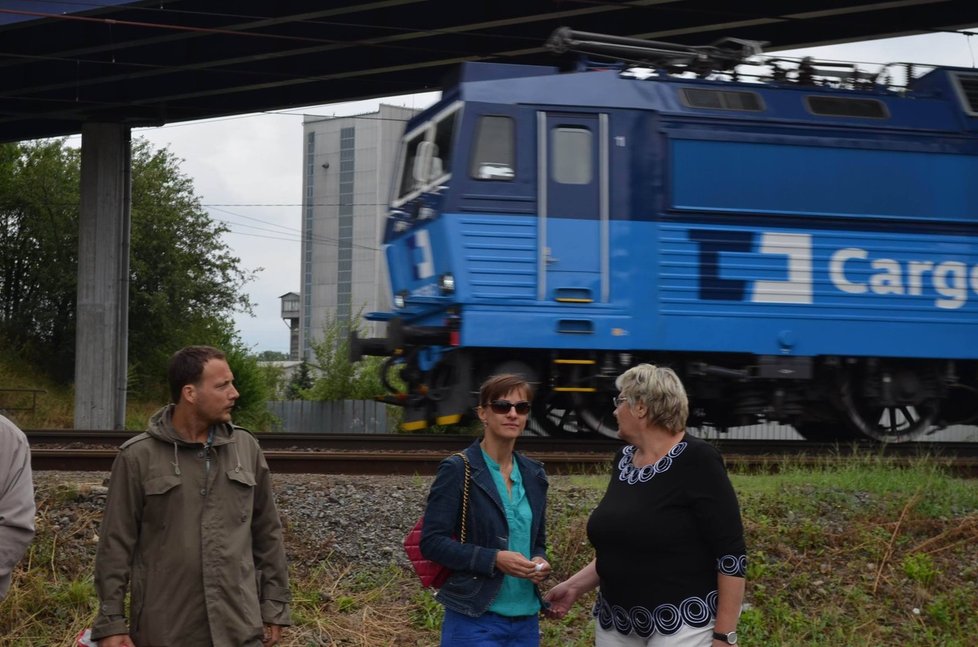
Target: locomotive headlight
(400, 299)
(447, 283)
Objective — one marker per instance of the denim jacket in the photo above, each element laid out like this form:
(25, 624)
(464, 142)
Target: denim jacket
(475, 581)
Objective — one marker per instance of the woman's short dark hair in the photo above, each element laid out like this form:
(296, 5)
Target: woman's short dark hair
(498, 386)
(187, 365)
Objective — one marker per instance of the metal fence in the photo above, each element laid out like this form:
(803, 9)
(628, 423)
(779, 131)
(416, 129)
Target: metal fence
(371, 417)
(775, 431)
(331, 417)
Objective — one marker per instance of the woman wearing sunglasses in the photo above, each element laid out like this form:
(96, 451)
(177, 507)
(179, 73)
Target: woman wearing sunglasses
(669, 545)
(492, 597)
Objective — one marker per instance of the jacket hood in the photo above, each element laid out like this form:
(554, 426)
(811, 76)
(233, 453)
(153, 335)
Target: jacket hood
(161, 428)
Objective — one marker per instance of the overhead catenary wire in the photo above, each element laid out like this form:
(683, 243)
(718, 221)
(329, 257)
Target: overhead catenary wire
(312, 238)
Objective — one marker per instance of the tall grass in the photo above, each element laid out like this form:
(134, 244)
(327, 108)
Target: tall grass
(52, 407)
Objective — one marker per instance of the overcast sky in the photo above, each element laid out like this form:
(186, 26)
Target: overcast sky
(247, 172)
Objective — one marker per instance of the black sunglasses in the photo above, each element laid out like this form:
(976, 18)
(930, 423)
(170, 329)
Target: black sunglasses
(503, 406)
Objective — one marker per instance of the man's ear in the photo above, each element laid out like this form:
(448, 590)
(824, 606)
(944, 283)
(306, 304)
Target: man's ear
(189, 393)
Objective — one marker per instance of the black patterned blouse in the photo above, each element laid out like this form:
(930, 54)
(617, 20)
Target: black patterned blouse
(661, 535)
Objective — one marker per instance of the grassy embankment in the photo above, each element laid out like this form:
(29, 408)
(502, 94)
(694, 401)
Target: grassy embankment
(52, 406)
(859, 554)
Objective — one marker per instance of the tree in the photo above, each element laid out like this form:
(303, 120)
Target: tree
(185, 284)
(39, 204)
(301, 381)
(254, 389)
(341, 379)
(272, 356)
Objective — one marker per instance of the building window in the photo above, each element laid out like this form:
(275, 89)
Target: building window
(344, 251)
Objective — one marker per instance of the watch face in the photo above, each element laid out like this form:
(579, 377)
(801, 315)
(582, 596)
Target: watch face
(732, 638)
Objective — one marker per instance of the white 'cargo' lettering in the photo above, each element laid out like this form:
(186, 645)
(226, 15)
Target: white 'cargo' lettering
(950, 279)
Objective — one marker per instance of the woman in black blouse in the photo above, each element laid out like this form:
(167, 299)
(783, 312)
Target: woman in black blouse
(669, 545)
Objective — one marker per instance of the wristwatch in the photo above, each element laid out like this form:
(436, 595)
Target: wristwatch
(729, 638)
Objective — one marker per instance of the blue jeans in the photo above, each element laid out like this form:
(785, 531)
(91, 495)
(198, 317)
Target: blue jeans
(489, 630)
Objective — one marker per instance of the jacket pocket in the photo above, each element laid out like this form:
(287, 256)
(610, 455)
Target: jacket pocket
(161, 484)
(162, 494)
(463, 586)
(241, 496)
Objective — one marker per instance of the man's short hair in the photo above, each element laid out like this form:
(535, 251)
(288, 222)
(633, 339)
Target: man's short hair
(187, 365)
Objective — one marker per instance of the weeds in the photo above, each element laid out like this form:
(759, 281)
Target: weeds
(426, 613)
(860, 554)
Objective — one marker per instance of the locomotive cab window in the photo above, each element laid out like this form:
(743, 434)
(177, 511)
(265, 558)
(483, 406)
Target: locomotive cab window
(444, 135)
(721, 99)
(847, 107)
(571, 153)
(426, 155)
(409, 155)
(494, 154)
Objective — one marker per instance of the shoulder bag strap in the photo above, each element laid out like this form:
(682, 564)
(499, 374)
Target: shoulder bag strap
(465, 496)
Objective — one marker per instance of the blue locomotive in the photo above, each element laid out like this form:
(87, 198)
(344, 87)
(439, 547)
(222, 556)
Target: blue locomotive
(801, 248)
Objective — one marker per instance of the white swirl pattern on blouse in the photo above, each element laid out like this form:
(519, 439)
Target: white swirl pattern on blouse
(632, 475)
(664, 619)
(735, 565)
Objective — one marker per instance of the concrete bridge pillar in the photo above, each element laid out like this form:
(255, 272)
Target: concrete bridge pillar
(103, 277)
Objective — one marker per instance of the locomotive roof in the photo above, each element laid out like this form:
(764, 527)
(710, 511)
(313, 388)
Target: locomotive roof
(945, 98)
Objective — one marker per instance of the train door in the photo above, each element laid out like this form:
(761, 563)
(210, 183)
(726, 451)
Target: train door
(573, 207)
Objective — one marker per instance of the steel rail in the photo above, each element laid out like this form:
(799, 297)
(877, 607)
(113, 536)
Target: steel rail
(426, 462)
(317, 462)
(313, 442)
(450, 443)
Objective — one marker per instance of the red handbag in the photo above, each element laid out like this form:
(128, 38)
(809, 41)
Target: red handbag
(433, 574)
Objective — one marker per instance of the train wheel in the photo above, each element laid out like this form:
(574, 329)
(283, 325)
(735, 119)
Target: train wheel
(599, 419)
(896, 424)
(552, 416)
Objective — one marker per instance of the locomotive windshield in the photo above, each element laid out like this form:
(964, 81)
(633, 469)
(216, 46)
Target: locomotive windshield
(426, 155)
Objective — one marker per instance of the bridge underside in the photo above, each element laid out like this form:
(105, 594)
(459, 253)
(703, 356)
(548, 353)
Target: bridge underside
(151, 63)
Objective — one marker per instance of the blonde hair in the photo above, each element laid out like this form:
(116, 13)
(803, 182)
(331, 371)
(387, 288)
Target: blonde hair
(660, 390)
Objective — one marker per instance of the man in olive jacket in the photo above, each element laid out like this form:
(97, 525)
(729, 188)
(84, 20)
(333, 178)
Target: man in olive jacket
(191, 525)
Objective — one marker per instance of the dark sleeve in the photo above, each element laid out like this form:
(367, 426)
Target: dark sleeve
(717, 513)
(441, 521)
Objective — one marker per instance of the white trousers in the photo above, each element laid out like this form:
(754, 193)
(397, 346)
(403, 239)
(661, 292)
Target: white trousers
(686, 637)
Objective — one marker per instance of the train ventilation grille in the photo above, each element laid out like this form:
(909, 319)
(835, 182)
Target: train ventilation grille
(967, 85)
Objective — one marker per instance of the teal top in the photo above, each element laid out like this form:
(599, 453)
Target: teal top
(517, 597)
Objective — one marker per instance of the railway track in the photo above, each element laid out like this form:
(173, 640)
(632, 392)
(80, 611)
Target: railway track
(79, 450)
